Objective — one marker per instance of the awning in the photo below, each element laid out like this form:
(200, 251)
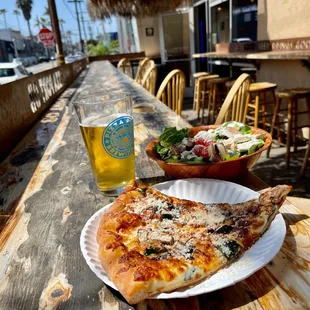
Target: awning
(99, 9)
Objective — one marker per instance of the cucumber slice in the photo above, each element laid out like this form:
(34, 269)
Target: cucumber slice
(232, 155)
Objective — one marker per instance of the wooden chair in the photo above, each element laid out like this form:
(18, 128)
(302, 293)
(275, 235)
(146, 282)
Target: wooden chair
(233, 108)
(172, 89)
(125, 66)
(143, 67)
(149, 80)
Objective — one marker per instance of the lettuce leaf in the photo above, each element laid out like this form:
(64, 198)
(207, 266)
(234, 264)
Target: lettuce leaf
(162, 151)
(171, 135)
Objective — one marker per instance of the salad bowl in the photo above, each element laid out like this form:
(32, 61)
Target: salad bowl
(223, 170)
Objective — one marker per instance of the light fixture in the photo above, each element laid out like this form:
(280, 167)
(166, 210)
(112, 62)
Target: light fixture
(219, 9)
(182, 10)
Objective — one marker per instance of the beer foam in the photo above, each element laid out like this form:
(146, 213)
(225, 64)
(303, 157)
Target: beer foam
(100, 121)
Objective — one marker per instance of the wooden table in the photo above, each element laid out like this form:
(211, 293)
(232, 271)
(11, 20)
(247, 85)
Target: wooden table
(255, 58)
(41, 265)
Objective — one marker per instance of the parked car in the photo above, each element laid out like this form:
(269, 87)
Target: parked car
(21, 60)
(34, 60)
(79, 55)
(10, 71)
(43, 59)
(30, 61)
(70, 59)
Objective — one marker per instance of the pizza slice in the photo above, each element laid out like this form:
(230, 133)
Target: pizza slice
(151, 243)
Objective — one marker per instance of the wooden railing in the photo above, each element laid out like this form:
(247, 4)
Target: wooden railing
(22, 102)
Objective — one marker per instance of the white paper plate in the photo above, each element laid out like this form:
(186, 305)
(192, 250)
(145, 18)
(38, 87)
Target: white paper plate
(206, 191)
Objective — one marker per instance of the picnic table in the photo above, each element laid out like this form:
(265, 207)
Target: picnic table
(48, 195)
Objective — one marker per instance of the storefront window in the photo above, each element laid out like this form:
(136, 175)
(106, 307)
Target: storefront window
(244, 20)
(220, 24)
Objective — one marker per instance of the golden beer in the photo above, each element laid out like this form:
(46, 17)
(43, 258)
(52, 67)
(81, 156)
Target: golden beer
(109, 143)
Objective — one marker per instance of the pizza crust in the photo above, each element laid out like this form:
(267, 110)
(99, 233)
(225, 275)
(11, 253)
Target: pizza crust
(138, 275)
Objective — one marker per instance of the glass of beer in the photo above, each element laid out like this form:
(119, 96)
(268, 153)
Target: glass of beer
(106, 124)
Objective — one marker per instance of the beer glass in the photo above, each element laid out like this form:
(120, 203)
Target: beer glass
(107, 128)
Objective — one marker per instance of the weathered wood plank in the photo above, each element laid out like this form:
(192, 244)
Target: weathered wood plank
(41, 264)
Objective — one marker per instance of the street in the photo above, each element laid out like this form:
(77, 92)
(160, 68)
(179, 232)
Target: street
(42, 66)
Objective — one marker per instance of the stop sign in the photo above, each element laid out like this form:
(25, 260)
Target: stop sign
(46, 36)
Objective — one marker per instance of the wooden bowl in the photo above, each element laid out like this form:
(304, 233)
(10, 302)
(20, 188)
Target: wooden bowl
(223, 170)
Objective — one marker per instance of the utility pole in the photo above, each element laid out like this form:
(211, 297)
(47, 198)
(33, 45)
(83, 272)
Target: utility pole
(83, 22)
(78, 21)
(90, 30)
(63, 35)
(103, 32)
(55, 27)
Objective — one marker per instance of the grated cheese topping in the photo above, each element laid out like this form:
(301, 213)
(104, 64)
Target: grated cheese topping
(172, 225)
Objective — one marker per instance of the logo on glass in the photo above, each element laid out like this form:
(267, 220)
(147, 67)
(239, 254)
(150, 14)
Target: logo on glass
(117, 137)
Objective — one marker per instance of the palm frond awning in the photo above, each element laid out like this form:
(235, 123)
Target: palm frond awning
(99, 9)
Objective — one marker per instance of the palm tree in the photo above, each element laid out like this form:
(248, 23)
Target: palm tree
(17, 13)
(41, 22)
(26, 7)
(3, 12)
(61, 23)
(46, 11)
(37, 23)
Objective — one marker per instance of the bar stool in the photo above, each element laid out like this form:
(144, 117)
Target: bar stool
(204, 91)
(217, 94)
(200, 74)
(306, 158)
(250, 71)
(229, 85)
(259, 92)
(197, 90)
(292, 95)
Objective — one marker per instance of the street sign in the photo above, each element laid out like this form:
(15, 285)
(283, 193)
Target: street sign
(47, 37)
(49, 45)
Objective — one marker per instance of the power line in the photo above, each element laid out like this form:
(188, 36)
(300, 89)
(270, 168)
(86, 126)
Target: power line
(78, 21)
(68, 9)
(7, 24)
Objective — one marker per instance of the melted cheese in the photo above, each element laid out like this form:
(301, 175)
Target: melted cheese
(210, 217)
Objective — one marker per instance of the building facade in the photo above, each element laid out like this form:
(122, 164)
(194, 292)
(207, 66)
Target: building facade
(14, 45)
(207, 25)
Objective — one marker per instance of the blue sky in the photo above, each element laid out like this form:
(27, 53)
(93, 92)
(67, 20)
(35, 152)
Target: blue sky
(65, 10)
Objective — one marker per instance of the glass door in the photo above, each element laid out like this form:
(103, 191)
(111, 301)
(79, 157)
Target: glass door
(176, 43)
(176, 36)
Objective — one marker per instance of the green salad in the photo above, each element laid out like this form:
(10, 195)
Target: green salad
(229, 141)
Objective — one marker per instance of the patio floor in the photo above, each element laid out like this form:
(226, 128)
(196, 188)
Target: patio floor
(271, 170)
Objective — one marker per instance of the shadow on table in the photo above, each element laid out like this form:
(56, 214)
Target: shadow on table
(17, 170)
(273, 171)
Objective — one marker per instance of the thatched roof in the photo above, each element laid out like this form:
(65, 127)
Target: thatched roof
(99, 9)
